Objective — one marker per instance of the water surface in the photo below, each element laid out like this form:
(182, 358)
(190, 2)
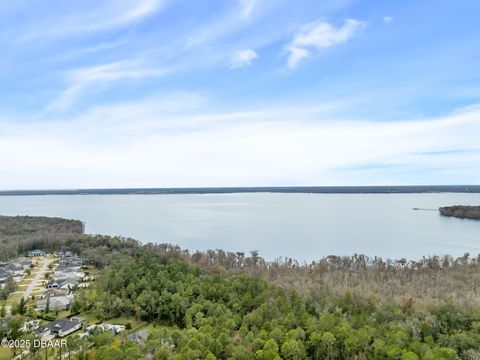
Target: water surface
(303, 226)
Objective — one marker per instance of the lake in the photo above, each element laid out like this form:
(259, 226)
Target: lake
(302, 226)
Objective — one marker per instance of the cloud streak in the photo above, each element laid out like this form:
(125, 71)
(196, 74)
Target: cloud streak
(168, 141)
(103, 16)
(98, 77)
(242, 58)
(320, 36)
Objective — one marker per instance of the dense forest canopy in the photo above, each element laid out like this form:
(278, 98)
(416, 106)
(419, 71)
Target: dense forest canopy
(224, 305)
(31, 225)
(203, 315)
(22, 233)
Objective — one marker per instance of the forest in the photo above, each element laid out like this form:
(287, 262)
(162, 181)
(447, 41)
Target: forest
(200, 314)
(225, 305)
(460, 211)
(20, 233)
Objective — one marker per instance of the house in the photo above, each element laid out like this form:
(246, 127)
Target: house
(4, 274)
(21, 261)
(68, 284)
(74, 261)
(116, 329)
(69, 268)
(65, 254)
(15, 269)
(55, 302)
(70, 265)
(54, 292)
(35, 253)
(68, 275)
(60, 328)
(138, 337)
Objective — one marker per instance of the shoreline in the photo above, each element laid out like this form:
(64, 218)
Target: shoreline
(414, 189)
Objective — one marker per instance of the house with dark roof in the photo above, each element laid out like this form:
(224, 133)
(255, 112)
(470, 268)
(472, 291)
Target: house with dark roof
(60, 328)
(73, 261)
(36, 252)
(65, 254)
(69, 284)
(69, 267)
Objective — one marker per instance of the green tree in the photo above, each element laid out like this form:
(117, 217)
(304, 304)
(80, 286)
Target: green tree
(293, 350)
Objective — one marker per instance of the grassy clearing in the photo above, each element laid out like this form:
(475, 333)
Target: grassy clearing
(88, 317)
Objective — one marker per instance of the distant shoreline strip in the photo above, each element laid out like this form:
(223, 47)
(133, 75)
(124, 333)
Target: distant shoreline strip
(276, 189)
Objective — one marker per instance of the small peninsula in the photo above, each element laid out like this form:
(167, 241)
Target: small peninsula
(463, 212)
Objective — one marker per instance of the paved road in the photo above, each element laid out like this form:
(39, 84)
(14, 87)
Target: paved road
(37, 277)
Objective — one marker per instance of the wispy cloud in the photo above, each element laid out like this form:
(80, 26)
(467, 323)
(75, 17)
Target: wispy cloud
(102, 16)
(257, 147)
(248, 6)
(387, 19)
(98, 77)
(320, 36)
(242, 58)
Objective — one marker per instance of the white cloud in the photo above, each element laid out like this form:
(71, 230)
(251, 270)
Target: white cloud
(242, 58)
(296, 54)
(142, 9)
(80, 79)
(387, 19)
(248, 6)
(320, 36)
(173, 142)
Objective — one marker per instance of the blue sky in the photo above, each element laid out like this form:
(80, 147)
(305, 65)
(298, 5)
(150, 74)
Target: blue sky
(158, 93)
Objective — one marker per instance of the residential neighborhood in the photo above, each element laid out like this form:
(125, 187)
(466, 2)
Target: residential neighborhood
(46, 284)
(38, 291)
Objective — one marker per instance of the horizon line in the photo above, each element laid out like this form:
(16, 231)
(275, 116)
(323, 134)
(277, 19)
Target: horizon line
(463, 188)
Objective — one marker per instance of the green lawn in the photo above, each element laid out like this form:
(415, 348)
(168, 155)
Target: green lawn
(89, 317)
(13, 299)
(24, 282)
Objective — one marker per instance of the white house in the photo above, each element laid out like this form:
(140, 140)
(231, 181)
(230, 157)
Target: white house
(60, 328)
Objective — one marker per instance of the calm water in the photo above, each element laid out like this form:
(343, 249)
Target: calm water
(303, 226)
